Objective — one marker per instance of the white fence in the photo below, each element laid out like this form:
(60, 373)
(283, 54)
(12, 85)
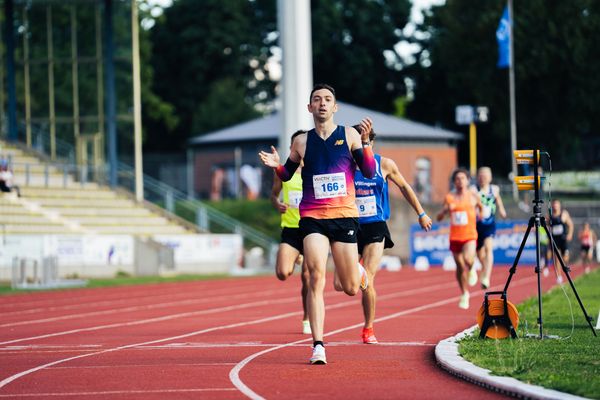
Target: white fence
(105, 255)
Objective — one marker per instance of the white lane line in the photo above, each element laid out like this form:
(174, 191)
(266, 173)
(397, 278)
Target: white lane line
(86, 301)
(126, 392)
(195, 313)
(216, 364)
(156, 319)
(223, 293)
(11, 378)
(234, 374)
(14, 377)
(139, 308)
(180, 346)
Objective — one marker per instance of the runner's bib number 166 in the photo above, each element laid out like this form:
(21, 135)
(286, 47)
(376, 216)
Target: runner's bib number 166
(327, 186)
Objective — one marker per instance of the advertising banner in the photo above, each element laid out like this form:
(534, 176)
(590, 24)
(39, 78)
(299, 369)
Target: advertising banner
(434, 245)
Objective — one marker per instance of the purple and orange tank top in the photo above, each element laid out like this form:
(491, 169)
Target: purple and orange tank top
(328, 177)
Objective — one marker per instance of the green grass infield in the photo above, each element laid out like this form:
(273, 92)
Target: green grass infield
(120, 280)
(569, 363)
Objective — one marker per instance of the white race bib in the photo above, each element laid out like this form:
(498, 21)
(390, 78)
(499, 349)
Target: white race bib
(558, 230)
(328, 186)
(487, 212)
(459, 218)
(367, 206)
(294, 198)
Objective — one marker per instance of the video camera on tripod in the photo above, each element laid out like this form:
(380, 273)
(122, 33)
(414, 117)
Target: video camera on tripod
(500, 313)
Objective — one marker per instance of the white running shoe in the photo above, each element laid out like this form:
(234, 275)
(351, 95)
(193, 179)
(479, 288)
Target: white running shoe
(306, 328)
(464, 301)
(485, 283)
(472, 277)
(364, 278)
(318, 355)
(545, 272)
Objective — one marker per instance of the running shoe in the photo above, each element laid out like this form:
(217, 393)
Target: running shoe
(485, 283)
(318, 355)
(368, 336)
(464, 301)
(306, 328)
(546, 272)
(472, 277)
(364, 278)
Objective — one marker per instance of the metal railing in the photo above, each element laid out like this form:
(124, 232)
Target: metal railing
(171, 200)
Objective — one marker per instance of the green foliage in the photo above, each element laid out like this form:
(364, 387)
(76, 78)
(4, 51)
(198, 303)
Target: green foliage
(211, 57)
(353, 49)
(568, 364)
(400, 106)
(225, 94)
(556, 82)
(258, 214)
(205, 56)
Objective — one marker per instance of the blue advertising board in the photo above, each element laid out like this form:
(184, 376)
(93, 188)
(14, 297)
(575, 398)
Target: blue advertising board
(434, 245)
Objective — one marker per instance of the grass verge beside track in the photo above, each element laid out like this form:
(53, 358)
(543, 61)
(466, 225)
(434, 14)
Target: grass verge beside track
(570, 363)
(121, 281)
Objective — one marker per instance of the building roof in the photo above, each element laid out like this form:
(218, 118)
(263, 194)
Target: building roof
(386, 126)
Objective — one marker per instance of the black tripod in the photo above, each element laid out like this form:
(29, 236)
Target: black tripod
(535, 222)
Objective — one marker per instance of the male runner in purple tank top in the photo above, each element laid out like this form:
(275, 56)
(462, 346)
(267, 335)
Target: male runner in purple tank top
(328, 213)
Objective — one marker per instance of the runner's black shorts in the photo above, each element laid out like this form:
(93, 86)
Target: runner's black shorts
(484, 231)
(292, 237)
(561, 244)
(336, 229)
(374, 232)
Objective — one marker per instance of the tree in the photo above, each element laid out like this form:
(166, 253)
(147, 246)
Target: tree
(198, 44)
(555, 83)
(353, 49)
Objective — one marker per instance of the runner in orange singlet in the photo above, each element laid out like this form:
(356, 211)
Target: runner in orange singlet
(460, 204)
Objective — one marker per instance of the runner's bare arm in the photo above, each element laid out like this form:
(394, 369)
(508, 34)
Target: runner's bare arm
(501, 209)
(361, 149)
(286, 171)
(476, 201)
(445, 209)
(569, 222)
(275, 191)
(390, 171)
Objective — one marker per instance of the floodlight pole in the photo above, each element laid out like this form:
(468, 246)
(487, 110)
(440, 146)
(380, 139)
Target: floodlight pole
(137, 102)
(511, 86)
(9, 40)
(295, 41)
(109, 85)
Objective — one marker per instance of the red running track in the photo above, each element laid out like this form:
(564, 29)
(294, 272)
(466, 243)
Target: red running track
(237, 338)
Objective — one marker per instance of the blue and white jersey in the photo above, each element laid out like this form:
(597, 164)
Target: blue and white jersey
(488, 200)
(372, 196)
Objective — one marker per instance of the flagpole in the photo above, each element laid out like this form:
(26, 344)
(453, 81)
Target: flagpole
(511, 84)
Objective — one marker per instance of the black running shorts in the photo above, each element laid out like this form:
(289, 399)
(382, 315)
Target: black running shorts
(374, 232)
(336, 230)
(292, 237)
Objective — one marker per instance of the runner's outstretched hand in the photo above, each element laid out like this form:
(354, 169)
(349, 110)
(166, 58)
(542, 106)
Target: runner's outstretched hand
(270, 159)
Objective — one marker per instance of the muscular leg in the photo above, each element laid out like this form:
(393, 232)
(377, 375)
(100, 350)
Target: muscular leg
(486, 257)
(304, 291)
(286, 258)
(372, 253)
(461, 272)
(316, 249)
(468, 252)
(345, 259)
